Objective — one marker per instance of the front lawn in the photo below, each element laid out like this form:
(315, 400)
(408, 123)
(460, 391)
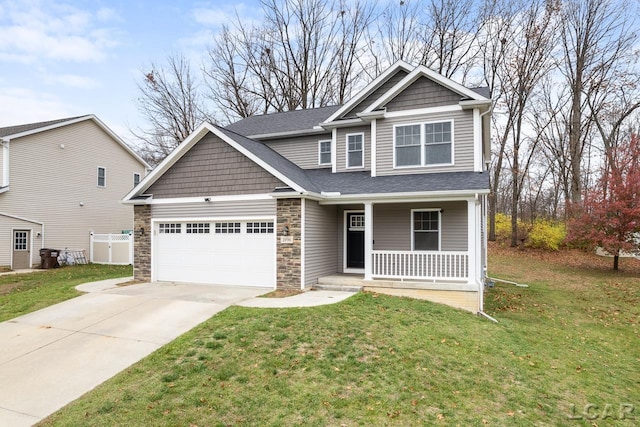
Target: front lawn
(569, 340)
(23, 293)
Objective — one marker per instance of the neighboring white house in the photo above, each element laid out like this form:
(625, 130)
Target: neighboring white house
(389, 188)
(61, 180)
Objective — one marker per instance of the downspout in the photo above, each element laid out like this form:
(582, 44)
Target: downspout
(480, 282)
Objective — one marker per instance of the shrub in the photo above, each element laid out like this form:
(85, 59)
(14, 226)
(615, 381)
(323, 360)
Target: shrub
(503, 228)
(545, 234)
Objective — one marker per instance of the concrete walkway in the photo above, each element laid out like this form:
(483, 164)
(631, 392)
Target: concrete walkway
(51, 357)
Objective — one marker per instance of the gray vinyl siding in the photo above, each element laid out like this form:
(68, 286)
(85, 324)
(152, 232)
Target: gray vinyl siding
(341, 148)
(230, 210)
(392, 225)
(463, 140)
(212, 168)
(48, 183)
(381, 90)
(423, 93)
(302, 150)
(321, 244)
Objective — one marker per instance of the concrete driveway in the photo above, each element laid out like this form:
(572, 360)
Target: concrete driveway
(53, 356)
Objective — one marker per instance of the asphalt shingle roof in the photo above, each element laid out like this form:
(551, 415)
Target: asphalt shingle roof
(12, 130)
(289, 121)
(363, 183)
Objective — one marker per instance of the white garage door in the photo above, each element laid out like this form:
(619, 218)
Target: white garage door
(217, 252)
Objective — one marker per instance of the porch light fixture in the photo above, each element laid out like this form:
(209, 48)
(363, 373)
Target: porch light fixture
(207, 199)
(140, 232)
(285, 230)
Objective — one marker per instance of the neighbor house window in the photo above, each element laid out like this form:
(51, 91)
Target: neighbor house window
(102, 177)
(136, 179)
(355, 150)
(424, 144)
(324, 152)
(426, 230)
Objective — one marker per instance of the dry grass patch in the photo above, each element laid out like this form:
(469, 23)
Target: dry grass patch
(280, 293)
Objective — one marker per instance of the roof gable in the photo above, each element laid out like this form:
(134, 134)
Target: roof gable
(417, 73)
(213, 168)
(276, 165)
(20, 131)
(369, 89)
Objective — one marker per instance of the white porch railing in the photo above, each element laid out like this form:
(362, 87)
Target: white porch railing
(111, 249)
(420, 265)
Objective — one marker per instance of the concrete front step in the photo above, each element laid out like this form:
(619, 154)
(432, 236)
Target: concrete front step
(336, 287)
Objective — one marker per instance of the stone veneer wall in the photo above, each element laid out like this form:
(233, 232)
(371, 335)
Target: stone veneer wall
(142, 243)
(289, 255)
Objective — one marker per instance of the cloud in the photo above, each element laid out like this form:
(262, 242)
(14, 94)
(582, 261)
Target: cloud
(33, 30)
(71, 80)
(20, 106)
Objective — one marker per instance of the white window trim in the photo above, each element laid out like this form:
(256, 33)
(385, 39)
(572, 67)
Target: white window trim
(98, 177)
(320, 152)
(413, 249)
(423, 144)
(346, 140)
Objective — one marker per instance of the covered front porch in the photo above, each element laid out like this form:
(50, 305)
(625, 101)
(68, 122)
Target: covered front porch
(430, 243)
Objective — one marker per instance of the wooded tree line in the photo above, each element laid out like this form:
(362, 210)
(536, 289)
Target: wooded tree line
(563, 75)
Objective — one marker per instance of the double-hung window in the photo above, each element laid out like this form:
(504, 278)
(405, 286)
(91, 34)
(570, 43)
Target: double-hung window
(102, 176)
(426, 230)
(424, 144)
(324, 152)
(355, 150)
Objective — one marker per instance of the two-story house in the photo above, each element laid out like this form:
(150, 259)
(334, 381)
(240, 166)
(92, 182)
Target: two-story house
(60, 180)
(388, 189)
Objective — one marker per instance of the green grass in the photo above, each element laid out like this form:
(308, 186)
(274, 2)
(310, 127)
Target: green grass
(569, 340)
(24, 293)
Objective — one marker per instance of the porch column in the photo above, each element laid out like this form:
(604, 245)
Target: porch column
(368, 241)
(473, 241)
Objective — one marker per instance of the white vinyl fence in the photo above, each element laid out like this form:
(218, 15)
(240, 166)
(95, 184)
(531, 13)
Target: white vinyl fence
(111, 249)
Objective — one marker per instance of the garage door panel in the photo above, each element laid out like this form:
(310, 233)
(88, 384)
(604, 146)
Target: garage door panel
(220, 258)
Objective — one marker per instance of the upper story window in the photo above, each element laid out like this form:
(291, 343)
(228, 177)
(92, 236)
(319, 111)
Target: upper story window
(425, 230)
(355, 150)
(424, 144)
(136, 179)
(324, 152)
(102, 177)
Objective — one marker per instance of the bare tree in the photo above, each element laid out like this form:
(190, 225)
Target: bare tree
(596, 39)
(302, 56)
(169, 100)
(527, 62)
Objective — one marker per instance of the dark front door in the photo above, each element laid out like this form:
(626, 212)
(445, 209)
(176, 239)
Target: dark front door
(355, 240)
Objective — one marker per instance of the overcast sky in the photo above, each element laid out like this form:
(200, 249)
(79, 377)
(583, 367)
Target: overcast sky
(62, 58)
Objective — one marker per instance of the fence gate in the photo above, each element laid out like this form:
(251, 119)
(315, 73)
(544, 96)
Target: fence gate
(112, 249)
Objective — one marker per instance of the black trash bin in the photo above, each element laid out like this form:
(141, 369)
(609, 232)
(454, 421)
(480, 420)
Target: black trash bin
(49, 258)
